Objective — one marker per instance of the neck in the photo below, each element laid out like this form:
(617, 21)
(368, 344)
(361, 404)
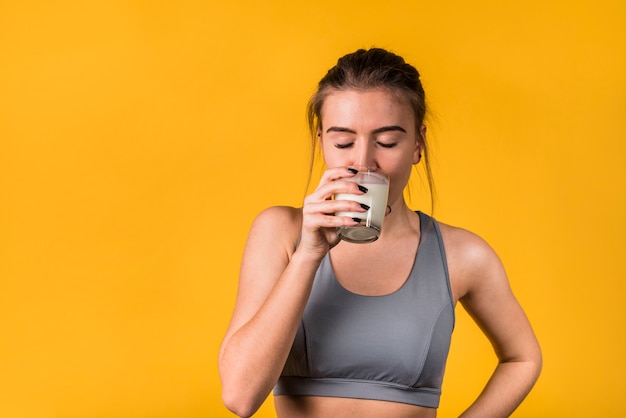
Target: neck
(400, 221)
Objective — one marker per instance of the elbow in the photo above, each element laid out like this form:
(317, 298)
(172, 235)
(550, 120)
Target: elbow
(536, 358)
(534, 364)
(238, 402)
(235, 397)
(538, 361)
(243, 392)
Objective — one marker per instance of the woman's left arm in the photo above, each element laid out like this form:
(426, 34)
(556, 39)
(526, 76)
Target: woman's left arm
(482, 286)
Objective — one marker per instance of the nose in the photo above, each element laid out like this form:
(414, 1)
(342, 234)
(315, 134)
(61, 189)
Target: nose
(364, 153)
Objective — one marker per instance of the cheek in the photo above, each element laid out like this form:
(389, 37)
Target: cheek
(399, 179)
(327, 155)
(329, 161)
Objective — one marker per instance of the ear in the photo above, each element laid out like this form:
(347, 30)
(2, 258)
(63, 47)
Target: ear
(419, 144)
(318, 132)
(319, 144)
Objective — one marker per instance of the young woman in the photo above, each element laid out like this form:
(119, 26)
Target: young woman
(340, 329)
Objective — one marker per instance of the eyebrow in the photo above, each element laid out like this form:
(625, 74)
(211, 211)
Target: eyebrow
(376, 131)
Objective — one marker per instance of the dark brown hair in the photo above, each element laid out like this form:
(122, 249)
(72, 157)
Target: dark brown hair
(371, 69)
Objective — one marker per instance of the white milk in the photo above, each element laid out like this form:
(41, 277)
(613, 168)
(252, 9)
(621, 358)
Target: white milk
(375, 198)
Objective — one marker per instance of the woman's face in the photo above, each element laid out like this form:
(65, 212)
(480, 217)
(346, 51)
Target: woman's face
(370, 128)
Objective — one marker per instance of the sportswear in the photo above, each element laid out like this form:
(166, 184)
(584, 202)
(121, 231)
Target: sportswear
(392, 347)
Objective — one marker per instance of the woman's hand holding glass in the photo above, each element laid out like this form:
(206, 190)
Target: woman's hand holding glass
(319, 224)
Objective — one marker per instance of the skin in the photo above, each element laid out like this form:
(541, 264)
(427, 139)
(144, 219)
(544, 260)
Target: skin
(366, 128)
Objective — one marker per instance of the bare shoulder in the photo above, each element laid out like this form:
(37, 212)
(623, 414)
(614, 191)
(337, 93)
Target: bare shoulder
(465, 246)
(278, 224)
(471, 260)
(283, 215)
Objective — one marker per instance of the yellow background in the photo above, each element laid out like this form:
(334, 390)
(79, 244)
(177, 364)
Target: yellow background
(139, 139)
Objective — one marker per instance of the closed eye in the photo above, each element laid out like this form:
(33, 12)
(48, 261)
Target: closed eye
(387, 145)
(344, 146)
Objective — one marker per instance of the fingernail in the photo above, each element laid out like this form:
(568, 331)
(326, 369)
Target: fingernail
(356, 220)
(353, 171)
(364, 206)
(362, 188)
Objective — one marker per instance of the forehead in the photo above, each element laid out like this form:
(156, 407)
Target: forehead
(358, 106)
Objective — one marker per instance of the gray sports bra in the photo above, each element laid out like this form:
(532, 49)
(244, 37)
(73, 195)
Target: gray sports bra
(391, 348)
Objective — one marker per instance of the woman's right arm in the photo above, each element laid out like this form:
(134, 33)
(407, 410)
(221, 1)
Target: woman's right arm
(274, 285)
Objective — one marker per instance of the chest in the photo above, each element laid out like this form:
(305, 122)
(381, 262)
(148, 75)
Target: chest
(394, 338)
(372, 271)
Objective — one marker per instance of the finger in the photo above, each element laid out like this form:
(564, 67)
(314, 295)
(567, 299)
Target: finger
(328, 190)
(337, 173)
(329, 207)
(321, 221)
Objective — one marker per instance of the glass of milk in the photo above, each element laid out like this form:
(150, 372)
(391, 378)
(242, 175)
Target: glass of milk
(377, 185)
